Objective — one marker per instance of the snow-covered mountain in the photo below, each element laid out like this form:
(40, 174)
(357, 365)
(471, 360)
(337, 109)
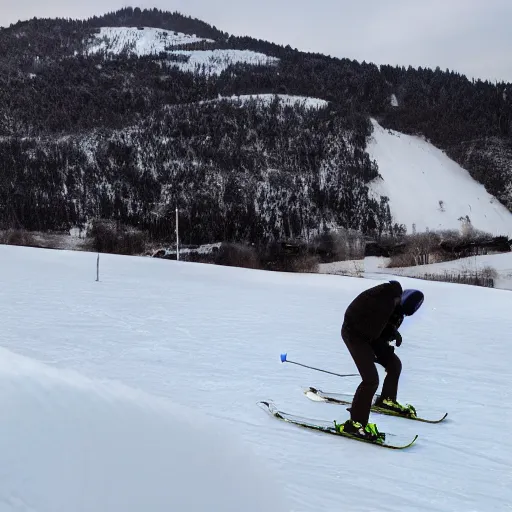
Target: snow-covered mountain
(129, 115)
(427, 190)
(139, 392)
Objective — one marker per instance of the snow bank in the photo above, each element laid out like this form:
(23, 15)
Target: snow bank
(353, 268)
(428, 189)
(70, 444)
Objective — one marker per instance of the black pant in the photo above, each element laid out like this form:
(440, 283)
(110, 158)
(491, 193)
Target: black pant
(364, 357)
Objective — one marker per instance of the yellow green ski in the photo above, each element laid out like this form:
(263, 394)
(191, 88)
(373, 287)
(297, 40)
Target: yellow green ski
(317, 395)
(329, 428)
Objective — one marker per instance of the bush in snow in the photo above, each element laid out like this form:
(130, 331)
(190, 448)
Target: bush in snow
(435, 247)
(237, 255)
(18, 237)
(112, 237)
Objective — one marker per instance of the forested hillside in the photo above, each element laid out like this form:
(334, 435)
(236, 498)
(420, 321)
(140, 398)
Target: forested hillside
(129, 124)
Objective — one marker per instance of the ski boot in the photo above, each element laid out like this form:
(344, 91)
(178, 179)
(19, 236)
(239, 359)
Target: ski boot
(369, 432)
(393, 405)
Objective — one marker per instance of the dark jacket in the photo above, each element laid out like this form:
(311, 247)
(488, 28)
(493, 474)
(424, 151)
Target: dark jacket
(395, 321)
(369, 313)
(381, 347)
(410, 303)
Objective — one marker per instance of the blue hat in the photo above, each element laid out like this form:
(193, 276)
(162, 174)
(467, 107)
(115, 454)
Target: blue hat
(411, 301)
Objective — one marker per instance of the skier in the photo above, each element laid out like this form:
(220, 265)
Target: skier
(371, 322)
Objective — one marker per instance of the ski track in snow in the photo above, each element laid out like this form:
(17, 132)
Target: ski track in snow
(210, 337)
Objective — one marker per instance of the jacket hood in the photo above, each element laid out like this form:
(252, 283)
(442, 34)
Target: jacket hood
(397, 287)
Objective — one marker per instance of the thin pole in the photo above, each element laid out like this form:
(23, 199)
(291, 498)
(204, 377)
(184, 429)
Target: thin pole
(177, 237)
(285, 360)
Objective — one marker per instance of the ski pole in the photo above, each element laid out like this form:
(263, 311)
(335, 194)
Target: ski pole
(285, 360)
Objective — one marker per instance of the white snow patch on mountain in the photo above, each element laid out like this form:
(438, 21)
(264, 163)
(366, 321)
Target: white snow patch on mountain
(154, 41)
(267, 99)
(214, 62)
(135, 41)
(427, 189)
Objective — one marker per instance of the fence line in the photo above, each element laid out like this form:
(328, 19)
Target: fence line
(470, 278)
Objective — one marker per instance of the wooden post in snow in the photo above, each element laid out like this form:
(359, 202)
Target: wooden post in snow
(177, 238)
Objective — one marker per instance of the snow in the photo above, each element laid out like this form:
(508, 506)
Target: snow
(153, 41)
(208, 338)
(214, 62)
(286, 99)
(501, 263)
(352, 268)
(70, 443)
(149, 41)
(416, 176)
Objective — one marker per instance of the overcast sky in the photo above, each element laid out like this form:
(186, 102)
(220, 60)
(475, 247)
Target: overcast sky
(473, 37)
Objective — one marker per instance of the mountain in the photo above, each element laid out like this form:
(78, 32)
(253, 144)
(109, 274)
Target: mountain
(130, 115)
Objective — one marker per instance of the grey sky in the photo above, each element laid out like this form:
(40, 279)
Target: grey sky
(470, 36)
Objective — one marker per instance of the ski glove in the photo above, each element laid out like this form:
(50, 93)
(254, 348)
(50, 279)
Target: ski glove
(398, 338)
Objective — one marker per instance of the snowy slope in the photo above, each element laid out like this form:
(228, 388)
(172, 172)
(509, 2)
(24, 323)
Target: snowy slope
(149, 41)
(416, 176)
(153, 41)
(68, 443)
(210, 337)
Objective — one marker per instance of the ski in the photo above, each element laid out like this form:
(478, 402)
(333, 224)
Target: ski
(327, 427)
(317, 395)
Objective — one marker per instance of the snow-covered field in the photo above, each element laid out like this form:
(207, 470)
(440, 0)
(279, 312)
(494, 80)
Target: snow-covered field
(501, 263)
(69, 443)
(352, 268)
(153, 41)
(80, 359)
(428, 189)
